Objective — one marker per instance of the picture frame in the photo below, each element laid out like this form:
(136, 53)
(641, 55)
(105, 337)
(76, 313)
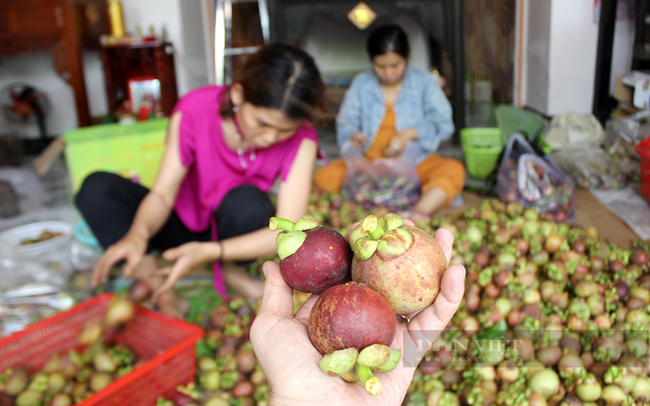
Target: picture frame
(144, 90)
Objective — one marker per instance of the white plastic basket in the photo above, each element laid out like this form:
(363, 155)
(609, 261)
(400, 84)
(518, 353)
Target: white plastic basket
(13, 237)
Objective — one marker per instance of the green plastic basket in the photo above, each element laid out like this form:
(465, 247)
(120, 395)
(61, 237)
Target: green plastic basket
(133, 151)
(482, 147)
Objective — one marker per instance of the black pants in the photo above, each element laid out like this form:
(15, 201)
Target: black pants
(109, 202)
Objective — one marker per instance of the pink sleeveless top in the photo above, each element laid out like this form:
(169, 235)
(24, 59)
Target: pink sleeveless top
(214, 169)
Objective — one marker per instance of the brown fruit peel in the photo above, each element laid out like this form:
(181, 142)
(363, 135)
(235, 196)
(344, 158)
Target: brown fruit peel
(395, 243)
(339, 362)
(351, 376)
(370, 382)
(289, 243)
(393, 361)
(374, 356)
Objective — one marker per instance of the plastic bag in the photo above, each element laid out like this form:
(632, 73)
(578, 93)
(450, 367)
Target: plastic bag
(592, 168)
(29, 291)
(526, 178)
(625, 133)
(388, 182)
(574, 128)
(507, 187)
(622, 135)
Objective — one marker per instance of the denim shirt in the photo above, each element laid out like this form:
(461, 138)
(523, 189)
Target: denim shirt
(420, 104)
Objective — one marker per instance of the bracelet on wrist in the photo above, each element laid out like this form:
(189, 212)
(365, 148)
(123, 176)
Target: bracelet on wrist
(220, 257)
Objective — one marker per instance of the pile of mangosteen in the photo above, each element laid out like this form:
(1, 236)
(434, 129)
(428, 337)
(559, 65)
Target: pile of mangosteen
(553, 314)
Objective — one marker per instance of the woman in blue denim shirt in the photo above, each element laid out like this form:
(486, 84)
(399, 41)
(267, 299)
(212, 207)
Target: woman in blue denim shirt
(387, 107)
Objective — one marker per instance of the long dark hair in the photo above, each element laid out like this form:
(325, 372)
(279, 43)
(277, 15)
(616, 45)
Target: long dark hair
(388, 38)
(284, 77)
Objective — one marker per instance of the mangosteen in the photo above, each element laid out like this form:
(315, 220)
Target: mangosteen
(91, 331)
(100, 380)
(15, 380)
(403, 263)
(210, 380)
(139, 291)
(30, 397)
(350, 316)
(588, 388)
(246, 360)
(120, 311)
(312, 258)
(545, 382)
(60, 399)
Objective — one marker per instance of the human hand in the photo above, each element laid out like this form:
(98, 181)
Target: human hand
(358, 140)
(187, 257)
(131, 248)
(396, 145)
(290, 361)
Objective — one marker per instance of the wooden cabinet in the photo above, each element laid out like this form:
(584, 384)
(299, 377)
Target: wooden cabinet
(122, 63)
(46, 26)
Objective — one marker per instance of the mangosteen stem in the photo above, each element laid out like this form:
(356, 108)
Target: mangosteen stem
(372, 227)
(281, 224)
(370, 382)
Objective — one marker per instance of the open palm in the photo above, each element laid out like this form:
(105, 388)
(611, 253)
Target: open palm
(290, 361)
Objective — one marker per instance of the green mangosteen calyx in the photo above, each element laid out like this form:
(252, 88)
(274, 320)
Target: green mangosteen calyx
(339, 362)
(293, 236)
(383, 236)
(391, 363)
(374, 356)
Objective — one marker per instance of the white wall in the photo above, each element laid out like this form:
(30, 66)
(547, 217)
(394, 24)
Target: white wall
(183, 21)
(559, 54)
(573, 43)
(535, 76)
(622, 52)
(37, 70)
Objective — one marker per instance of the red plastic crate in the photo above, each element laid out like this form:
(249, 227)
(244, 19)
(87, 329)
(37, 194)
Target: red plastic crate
(643, 148)
(167, 345)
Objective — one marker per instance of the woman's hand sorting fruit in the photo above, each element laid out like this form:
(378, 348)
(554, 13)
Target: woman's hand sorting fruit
(291, 362)
(187, 257)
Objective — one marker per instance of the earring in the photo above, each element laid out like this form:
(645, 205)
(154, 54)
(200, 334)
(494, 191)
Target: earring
(235, 109)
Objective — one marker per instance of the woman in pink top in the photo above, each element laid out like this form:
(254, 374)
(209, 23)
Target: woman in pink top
(226, 146)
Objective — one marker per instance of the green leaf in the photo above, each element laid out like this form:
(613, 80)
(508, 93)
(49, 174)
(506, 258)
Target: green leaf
(202, 349)
(496, 331)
